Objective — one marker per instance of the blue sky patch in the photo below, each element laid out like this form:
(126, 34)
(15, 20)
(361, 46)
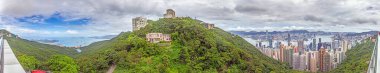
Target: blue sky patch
(53, 22)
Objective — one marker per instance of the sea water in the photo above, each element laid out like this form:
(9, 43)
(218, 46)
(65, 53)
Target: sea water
(69, 41)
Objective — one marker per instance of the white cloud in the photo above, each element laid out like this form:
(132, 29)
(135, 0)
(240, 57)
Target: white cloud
(114, 16)
(72, 32)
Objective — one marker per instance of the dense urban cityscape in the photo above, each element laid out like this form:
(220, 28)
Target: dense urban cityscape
(304, 50)
(189, 36)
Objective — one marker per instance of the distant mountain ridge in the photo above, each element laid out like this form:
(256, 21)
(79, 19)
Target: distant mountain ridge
(104, 37)
(301, 31)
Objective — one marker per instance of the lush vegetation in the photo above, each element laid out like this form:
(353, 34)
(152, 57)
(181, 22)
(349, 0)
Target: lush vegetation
(29, 62)
(193, 49)
(357, 59)
(41, 51)
(62, 64)
(33, 55)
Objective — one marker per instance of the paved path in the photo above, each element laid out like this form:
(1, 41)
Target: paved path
(11, 64)
(112, 68)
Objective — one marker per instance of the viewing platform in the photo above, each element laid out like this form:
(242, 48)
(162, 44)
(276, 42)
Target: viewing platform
(9, 62)
(374, 65)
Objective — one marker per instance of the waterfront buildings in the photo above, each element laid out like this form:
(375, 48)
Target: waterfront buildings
(318, 56)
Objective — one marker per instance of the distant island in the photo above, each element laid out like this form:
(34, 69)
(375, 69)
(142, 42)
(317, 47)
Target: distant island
(47, 41)
(104, 37)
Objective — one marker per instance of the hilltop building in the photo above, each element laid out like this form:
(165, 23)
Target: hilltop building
(157, 37)
(139, 22)
(209, 26)
(169, 13)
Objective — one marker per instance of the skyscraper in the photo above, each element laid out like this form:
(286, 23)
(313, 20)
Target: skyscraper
(345, 45)
(282, 48)
(324, 60)
(289, 39)
(302, 62)
(300, 44)
(266, 35)
(296, 61)
(271, 42)
(319, 43)
(314, 45)
(288, 55)
(312, 61)
(260, 44)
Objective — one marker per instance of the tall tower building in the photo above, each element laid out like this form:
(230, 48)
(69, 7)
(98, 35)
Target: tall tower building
(324, 60)
(345, 45)
(300, 44)
(266, 35)
(282, 48)
(271, 42)
(296, 61)
(302, 62)
(319, 43)
(288, 55)
(289, 39)
(314, 45)
(313, 61)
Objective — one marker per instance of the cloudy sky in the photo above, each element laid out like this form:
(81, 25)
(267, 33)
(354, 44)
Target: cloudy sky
(75, 18)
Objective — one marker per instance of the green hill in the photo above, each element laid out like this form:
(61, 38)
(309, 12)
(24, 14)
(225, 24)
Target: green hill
(34, 55)
(357, 60)
(193, 48)
(31, 48)
(99, 46)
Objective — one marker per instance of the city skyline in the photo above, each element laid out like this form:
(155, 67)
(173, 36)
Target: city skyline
(174, 36)
(71, 18)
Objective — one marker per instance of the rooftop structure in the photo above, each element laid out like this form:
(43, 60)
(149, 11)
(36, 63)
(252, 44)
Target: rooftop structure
(169, 13)
(209, 26)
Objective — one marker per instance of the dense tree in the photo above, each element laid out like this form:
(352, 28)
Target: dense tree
(194, 48)
(62, 64)
(29, 62)
(357, 60)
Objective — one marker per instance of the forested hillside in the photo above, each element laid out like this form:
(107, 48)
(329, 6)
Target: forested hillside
(193, 48)
(34, 55)
(357, 60)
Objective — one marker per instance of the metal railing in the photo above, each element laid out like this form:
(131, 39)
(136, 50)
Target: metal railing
(2, 55)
